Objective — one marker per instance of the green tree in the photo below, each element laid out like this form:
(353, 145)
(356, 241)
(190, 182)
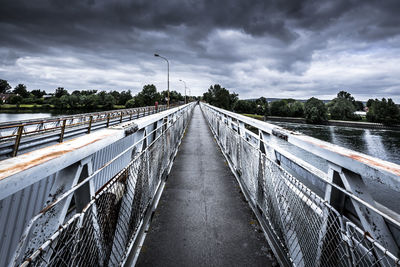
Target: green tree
(148, 96)
(343, 107)
(296, 109)
(245, 106)
(4, 86)
(315, 111)
(101, 97)
(220, 97)
(346, 95)
(76, 92)
(63, 102)
(15, 99)
(384, 111)
(20, 89)
(262, 106)
(55, 102)
(74, 101)
(359, 105)
(124, 96)
(175, 97)
(38, 93)
(280, 108)
(31, 99)
(60, 91)
(89, 101)
(88, 92)
(116, 96)
(130, 103)
(109, 102)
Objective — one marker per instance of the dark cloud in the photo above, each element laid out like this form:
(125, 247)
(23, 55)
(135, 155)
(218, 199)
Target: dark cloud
(249, 45)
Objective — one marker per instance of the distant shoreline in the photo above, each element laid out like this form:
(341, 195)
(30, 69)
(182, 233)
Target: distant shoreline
(355, 124)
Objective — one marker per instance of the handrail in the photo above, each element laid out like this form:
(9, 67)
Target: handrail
(286, 189)
(16, 131)
(338, 155)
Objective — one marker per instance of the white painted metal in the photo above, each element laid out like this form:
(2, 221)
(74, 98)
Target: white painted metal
(335, 173)
(28, 183)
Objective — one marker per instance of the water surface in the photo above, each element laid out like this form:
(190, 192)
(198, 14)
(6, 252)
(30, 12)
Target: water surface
(7, 117)
(383, 144)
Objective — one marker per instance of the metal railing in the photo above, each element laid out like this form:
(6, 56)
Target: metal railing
(95, 207)
(334, 220)
(40, 131)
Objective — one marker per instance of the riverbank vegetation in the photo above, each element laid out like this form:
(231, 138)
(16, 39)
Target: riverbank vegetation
(342, 107)
(20, 98)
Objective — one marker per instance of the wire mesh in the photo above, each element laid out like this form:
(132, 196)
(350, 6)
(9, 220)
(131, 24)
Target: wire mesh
(366, 251)
(308, 229)
(102, 232)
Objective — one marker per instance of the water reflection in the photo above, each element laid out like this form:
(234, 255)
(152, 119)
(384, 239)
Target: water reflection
(383, 144)
(7, 117)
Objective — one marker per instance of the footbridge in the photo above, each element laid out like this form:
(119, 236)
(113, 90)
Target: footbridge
(196, 185)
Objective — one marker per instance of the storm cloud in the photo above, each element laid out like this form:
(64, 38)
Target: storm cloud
(256, 48)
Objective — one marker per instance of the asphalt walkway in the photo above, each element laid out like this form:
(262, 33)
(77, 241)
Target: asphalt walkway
(202, 218)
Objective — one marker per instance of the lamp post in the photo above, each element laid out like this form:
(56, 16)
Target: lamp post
(185, 89)
(157, 55)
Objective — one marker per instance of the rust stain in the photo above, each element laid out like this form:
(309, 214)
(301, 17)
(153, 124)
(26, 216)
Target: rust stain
(4, 173)
(366, 160)
(47, 207)
(375, 163)
(367, 234)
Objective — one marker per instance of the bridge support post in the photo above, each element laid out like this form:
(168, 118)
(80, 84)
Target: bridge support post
(90, 124)
(62, 131)
(336, 199)
(49, 221)
(108, 120)
(371, 222)
(17, 140)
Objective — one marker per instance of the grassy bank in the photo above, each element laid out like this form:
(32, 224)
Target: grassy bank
(254, 116)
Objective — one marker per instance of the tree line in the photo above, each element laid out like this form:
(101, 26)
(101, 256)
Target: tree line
(342, 107)
(87, 99)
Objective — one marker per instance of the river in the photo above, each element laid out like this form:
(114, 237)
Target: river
(383, 144)
(7, 117)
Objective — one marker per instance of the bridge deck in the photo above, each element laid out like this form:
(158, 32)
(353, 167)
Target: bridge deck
(202, 218)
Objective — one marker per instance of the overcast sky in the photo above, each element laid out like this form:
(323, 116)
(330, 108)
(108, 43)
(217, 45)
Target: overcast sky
(264, 48)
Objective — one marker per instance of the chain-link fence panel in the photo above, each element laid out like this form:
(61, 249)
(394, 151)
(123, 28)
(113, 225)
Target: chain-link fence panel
(310, 230)
(306, 227)
(366, 251)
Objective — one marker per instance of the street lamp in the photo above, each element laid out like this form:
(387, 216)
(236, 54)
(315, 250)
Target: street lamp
(157, 55)
(185, 89)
